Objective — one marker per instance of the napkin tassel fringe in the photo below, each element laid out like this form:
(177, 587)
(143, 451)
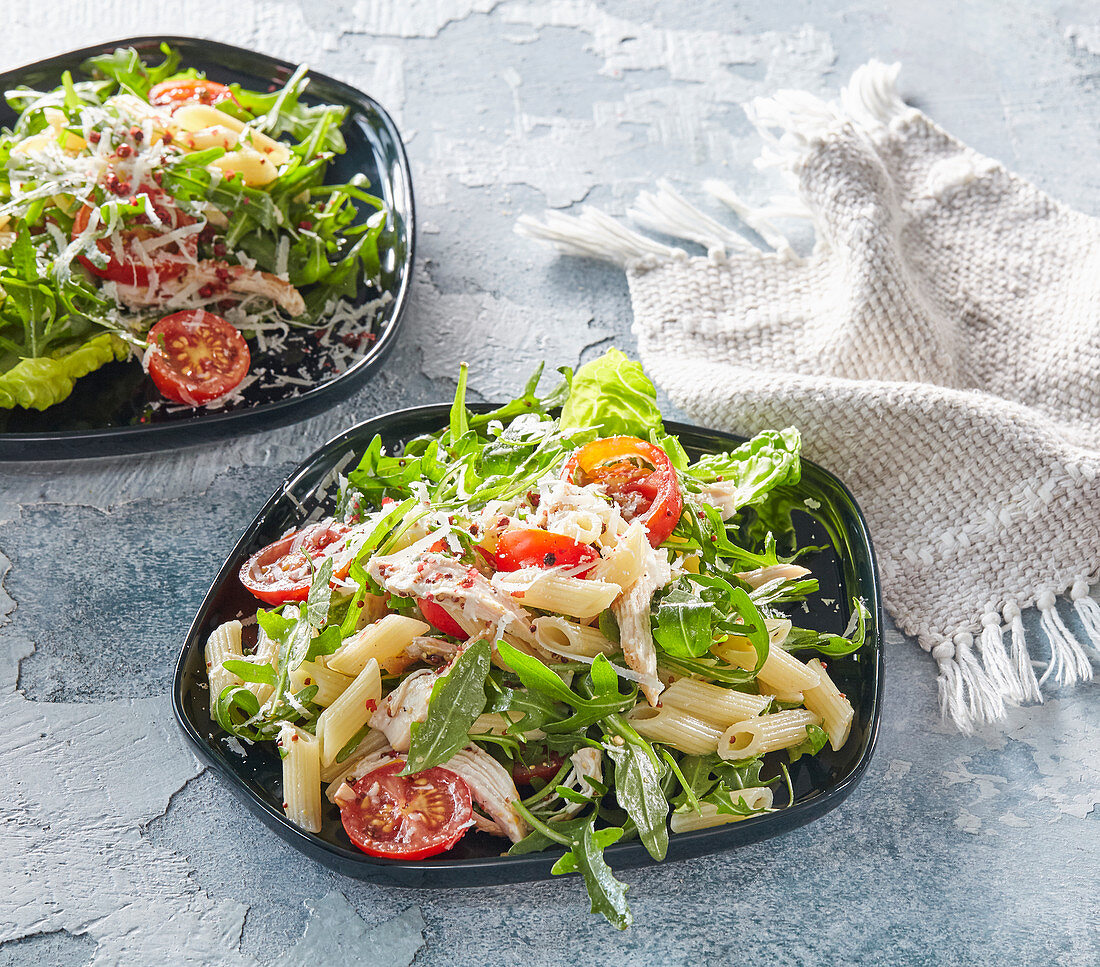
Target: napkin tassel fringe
(973, 692)
(789, 123)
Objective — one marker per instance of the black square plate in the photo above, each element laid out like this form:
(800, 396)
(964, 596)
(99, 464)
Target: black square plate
(105, 411)
(845, 570)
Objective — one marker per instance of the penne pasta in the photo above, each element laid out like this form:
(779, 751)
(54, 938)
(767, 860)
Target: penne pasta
(834, 708)
(781, 674)
(675, 727)
(717, 706)
(383, 641)
(335, 773)
(349, 713)
(569, 640)
(301, 777)
(551, 591)
(766, 733)
(330, 684)
(755, 797)
(624, 565)
(224, 642)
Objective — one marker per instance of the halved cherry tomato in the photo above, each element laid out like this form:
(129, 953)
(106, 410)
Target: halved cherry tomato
(407, 817)
(281, 571)
(436, 615)
(182, 90)
(532, 547)
(544, 766)
(196, 356)
(649, 493)
(129, 269)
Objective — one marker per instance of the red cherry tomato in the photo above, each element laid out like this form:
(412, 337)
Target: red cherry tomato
(169, 260)
(531, 547)
(436, 615)
(183, 90)
(407, 817)
(638, 477)
(542, 766)
(281, 572)
(197, 356)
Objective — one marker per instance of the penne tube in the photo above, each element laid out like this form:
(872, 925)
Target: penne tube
(755, 797)
(717, 706)
(781, 673)
(569, 640)
(548, 591)
(329, 684)
(624, 565)
(349, 713)
(674, 727)
(254, 168)
(374, 741)
(834, 708)
(224, 642)
(766, 733)
(265, 654)
(383, 641)
(301, 778)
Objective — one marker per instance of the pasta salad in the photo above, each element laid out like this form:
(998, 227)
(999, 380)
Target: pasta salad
(555, 629)
(152, 213)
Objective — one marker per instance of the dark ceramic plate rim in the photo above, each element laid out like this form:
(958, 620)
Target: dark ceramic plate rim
(504, 869)
(263, 416)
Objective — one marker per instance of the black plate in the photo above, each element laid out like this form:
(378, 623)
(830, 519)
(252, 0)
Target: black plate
(254, 773)
(109, 410)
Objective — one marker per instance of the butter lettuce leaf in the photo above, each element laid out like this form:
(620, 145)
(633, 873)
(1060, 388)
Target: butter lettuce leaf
(614, 396)
(41, 381)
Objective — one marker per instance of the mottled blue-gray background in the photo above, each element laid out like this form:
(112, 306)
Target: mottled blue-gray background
(954, 850)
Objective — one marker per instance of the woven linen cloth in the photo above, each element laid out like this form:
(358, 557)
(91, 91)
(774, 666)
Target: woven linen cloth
(939, 351)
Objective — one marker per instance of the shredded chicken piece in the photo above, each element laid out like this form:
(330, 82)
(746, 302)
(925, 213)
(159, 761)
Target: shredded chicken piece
(774, 572)
(724, 496)
(225, 281)
(463, 591)
(341, 786)
(632, 610)
(587, 764)
(406, 704)
(493, 790)
(434, 651)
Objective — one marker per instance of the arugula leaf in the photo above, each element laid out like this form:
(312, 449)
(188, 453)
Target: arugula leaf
(638, 790)
(815, 740)
(324, 644)
(320, 594)
(608, 894)
(613, 395)
(683, 621)
(609, 626)
(701, 775)
(235, 707)
(457, 699)
(835, 646)
(605, 700)
(585, 856)
(250, 671)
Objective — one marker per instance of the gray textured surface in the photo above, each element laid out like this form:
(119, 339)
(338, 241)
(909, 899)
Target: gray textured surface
(953, 851)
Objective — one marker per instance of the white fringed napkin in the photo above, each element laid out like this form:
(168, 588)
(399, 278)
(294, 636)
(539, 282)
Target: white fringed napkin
(939, 350)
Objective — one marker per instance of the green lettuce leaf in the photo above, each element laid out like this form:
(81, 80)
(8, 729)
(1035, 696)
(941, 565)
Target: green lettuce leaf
(41, 381)
(769, 460)
(613, 395)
